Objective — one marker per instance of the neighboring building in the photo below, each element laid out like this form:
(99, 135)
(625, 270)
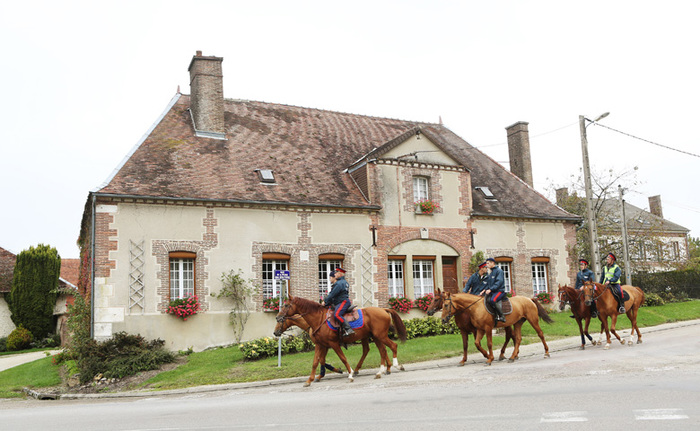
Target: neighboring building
(67, 286)
(655, 244)
(221, 184)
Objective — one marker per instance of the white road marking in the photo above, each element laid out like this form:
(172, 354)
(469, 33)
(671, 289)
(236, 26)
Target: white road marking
(659, 414)
(564, 417)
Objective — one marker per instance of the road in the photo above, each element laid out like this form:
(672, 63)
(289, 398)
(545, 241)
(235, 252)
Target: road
(650, 386)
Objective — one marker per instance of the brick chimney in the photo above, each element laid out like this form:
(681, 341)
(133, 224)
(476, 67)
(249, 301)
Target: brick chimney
(519, 151)
(562, 195)
(207, 96)
(655, 206)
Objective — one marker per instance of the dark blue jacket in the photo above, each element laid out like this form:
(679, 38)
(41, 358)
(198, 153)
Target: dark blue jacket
(497, 281)
(339, 293)
(583, 276)
(476, 284)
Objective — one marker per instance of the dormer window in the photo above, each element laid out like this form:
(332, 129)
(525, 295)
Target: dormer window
(266, 176)
(487, 193)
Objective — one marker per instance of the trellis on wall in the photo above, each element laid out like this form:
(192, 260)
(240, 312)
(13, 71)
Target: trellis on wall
(367, 299)
(136, 285)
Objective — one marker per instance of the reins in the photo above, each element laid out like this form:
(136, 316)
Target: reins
(465, 308)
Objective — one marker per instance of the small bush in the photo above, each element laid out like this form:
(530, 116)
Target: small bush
(652, 299)
(3, 344)
(428, 326)
(48, 342)
(122, 355)
(19, 339)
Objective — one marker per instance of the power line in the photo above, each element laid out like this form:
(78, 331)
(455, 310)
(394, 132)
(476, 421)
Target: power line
(646, 140)
(531, 137)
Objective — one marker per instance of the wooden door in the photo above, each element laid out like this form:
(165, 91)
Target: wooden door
(449, 275)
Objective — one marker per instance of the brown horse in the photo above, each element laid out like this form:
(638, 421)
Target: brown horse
(463, 321)
(608, 308)
(377, 322)
(297, 321)
(523, 309)
(577, 302)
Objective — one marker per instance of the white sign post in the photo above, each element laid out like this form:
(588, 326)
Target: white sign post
(281, 275)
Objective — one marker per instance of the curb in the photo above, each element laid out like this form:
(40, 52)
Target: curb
(569, 343)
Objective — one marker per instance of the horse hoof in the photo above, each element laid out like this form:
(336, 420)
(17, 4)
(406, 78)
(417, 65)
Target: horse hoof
(511, 360)
(307, 384)
(582, 347)
(629, 343)
(403, 369)
(461, 364)
(639, 341)
(607, 346)
(387, 372)
(317, 379)
(500, 358)
(546, 355)
(377, 376)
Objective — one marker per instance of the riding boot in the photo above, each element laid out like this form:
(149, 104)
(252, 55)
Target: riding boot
(621, 310)
(594, 310)
(347, 330)
(499, 312)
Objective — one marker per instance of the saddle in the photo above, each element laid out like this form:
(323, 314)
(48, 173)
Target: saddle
(353, 317)
(506, 306)
(625, 295)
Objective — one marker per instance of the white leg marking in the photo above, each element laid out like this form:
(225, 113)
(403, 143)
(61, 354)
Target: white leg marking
(395, 363)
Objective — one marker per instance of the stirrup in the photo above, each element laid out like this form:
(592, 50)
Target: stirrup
(622, 309)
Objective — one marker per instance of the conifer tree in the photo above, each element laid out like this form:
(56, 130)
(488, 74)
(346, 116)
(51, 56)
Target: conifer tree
(34, 289)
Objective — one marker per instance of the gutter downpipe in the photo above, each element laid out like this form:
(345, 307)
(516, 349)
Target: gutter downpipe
(92, 268)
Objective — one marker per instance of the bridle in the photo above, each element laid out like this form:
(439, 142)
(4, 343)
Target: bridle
(569, 301)
(593, 288)
(449, 311)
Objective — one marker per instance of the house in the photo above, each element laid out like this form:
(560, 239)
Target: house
(655, 244)
(219, 185)
(67, 286)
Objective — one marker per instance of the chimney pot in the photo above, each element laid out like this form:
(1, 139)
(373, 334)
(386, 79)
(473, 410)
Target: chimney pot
(199, 54)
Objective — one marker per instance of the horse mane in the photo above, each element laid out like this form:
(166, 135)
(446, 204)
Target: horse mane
(305, 306)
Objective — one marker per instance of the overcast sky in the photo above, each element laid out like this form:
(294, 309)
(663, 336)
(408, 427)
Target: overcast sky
(83, 81)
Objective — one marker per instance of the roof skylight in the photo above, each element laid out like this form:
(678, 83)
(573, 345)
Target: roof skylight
(266, 175)
(486, 192)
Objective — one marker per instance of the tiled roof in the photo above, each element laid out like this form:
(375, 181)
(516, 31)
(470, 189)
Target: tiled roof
(638, 219)
(308, 151)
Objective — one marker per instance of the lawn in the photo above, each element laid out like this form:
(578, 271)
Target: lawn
(226, 365)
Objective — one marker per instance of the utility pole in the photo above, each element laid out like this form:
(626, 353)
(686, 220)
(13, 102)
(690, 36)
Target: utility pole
(625, 246)
(592, 227)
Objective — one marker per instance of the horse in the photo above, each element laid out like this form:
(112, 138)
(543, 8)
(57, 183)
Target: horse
(463, 321)
(577, 302)
(523, 309)
(297, 321)
(376, 323)
(608, 308)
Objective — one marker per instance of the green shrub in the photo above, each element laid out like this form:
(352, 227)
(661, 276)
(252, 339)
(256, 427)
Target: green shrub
(3, 344)
(122, 355)
(267, 346)
(48, 342)
(427, 326)
(19, 339)
(652, 300)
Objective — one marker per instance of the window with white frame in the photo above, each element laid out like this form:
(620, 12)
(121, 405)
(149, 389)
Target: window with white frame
(423, 283)
(505, 267)
(421, 186)
(325, 266)
(675, 250)
(272, 288)
(539, 277)
(181, 275)
(395, 278)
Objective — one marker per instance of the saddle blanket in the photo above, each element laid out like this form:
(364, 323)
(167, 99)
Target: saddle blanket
(355, 319)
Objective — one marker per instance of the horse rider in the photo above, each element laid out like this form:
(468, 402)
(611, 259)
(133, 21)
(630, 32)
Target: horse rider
(584, 275)
(340, 300)
(611, 277)
(496, 288)
(478, 282)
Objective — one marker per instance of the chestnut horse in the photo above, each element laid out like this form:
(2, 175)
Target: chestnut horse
(377, 322)
(463, 321)
(297, 321)
(608, 308)
(523, 309)
(577, 302)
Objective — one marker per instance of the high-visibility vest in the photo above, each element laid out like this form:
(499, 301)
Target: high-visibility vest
(610, 274)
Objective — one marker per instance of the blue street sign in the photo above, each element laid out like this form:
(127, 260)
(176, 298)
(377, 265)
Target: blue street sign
(281, 275)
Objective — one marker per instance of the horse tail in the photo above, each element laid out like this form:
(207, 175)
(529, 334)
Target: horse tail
(398, 324)
(542, 312)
